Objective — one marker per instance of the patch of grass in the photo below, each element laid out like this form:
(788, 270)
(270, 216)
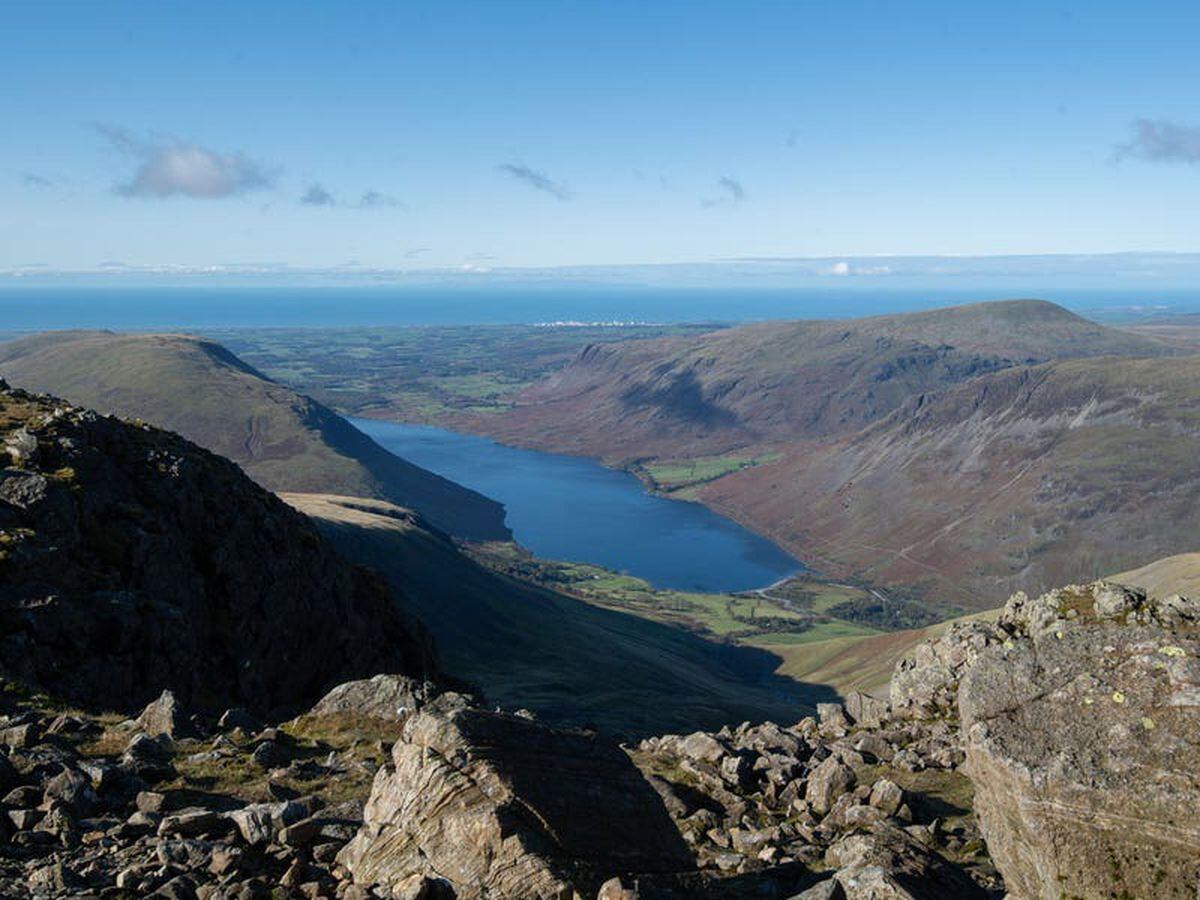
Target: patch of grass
(671, 475)
(821, 631)
(933, 793)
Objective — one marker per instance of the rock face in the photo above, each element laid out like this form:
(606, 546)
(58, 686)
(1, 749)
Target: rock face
(501, 807)
(133, 561)
(925, 685)
(1082, 732)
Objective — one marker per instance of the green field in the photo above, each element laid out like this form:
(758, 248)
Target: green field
(670, 475)
(747, 618)
(422, 374)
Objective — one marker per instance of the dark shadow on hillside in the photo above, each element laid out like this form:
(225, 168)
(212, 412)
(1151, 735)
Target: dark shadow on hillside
(682, 399)
(459, 510)
(569, 661)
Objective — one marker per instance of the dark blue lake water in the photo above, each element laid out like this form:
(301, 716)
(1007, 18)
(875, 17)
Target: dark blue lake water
(568, 508)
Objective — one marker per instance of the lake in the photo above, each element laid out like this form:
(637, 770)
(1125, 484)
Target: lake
(570, 508)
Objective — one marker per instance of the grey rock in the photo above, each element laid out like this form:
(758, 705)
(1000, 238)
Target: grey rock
(886, 795)
(388, 698)
(500, 806)
(1082, 762)
(832, 717)
(828, 781)
(193, 823)
(865, 710)
(21, 737)
(925, 684)
(73, 789)
(21, 447)
(702, 747)
(829, 889)
(163, 716)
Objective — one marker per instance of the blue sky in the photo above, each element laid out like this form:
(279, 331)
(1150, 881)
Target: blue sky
(496, 134)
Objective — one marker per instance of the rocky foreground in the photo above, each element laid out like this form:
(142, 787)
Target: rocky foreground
(1050, 754)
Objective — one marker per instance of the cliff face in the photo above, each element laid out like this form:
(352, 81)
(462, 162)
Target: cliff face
(132, 560)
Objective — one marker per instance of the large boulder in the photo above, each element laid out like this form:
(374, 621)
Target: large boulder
(500, 807)
(387, 698)
(1082, 731)
(884, 862)
(163, 716)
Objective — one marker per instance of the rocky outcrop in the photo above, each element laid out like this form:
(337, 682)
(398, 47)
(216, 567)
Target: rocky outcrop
(90, 807)
(133, 561)
(768, 805)
(388, 698)
(499, 806)
(925, 684)
(1082, 732)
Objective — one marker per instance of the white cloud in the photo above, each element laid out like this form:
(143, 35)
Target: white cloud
(176, 168)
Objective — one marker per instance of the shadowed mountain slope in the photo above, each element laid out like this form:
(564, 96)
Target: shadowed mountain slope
(561, 657)
(284, 440)
(132, 560)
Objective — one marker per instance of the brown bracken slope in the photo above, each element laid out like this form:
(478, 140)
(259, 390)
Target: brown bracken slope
(959, 454)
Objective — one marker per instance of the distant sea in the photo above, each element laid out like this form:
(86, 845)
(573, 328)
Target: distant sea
(197, 308)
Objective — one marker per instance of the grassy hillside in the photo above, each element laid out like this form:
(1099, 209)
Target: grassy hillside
(564, 658)
(760, 385)
(1022, 479)
(282, 439)
(1178, 574)
(958, 454)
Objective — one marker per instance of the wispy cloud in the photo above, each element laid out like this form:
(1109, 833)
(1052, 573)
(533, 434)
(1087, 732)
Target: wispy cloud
(731, 190)
(377, 200)
(417, 251)
(171, 167)
(317, 196)
(32, 179)
(1162, 141)
(539, 181)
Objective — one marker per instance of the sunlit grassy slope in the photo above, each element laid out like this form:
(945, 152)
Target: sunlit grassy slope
(1174, 575)
(283, 440)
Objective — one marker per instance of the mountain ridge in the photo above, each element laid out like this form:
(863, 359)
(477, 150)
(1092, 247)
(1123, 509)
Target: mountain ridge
(778, 381)
(284, 439)
(883, 449)
(132, 560)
